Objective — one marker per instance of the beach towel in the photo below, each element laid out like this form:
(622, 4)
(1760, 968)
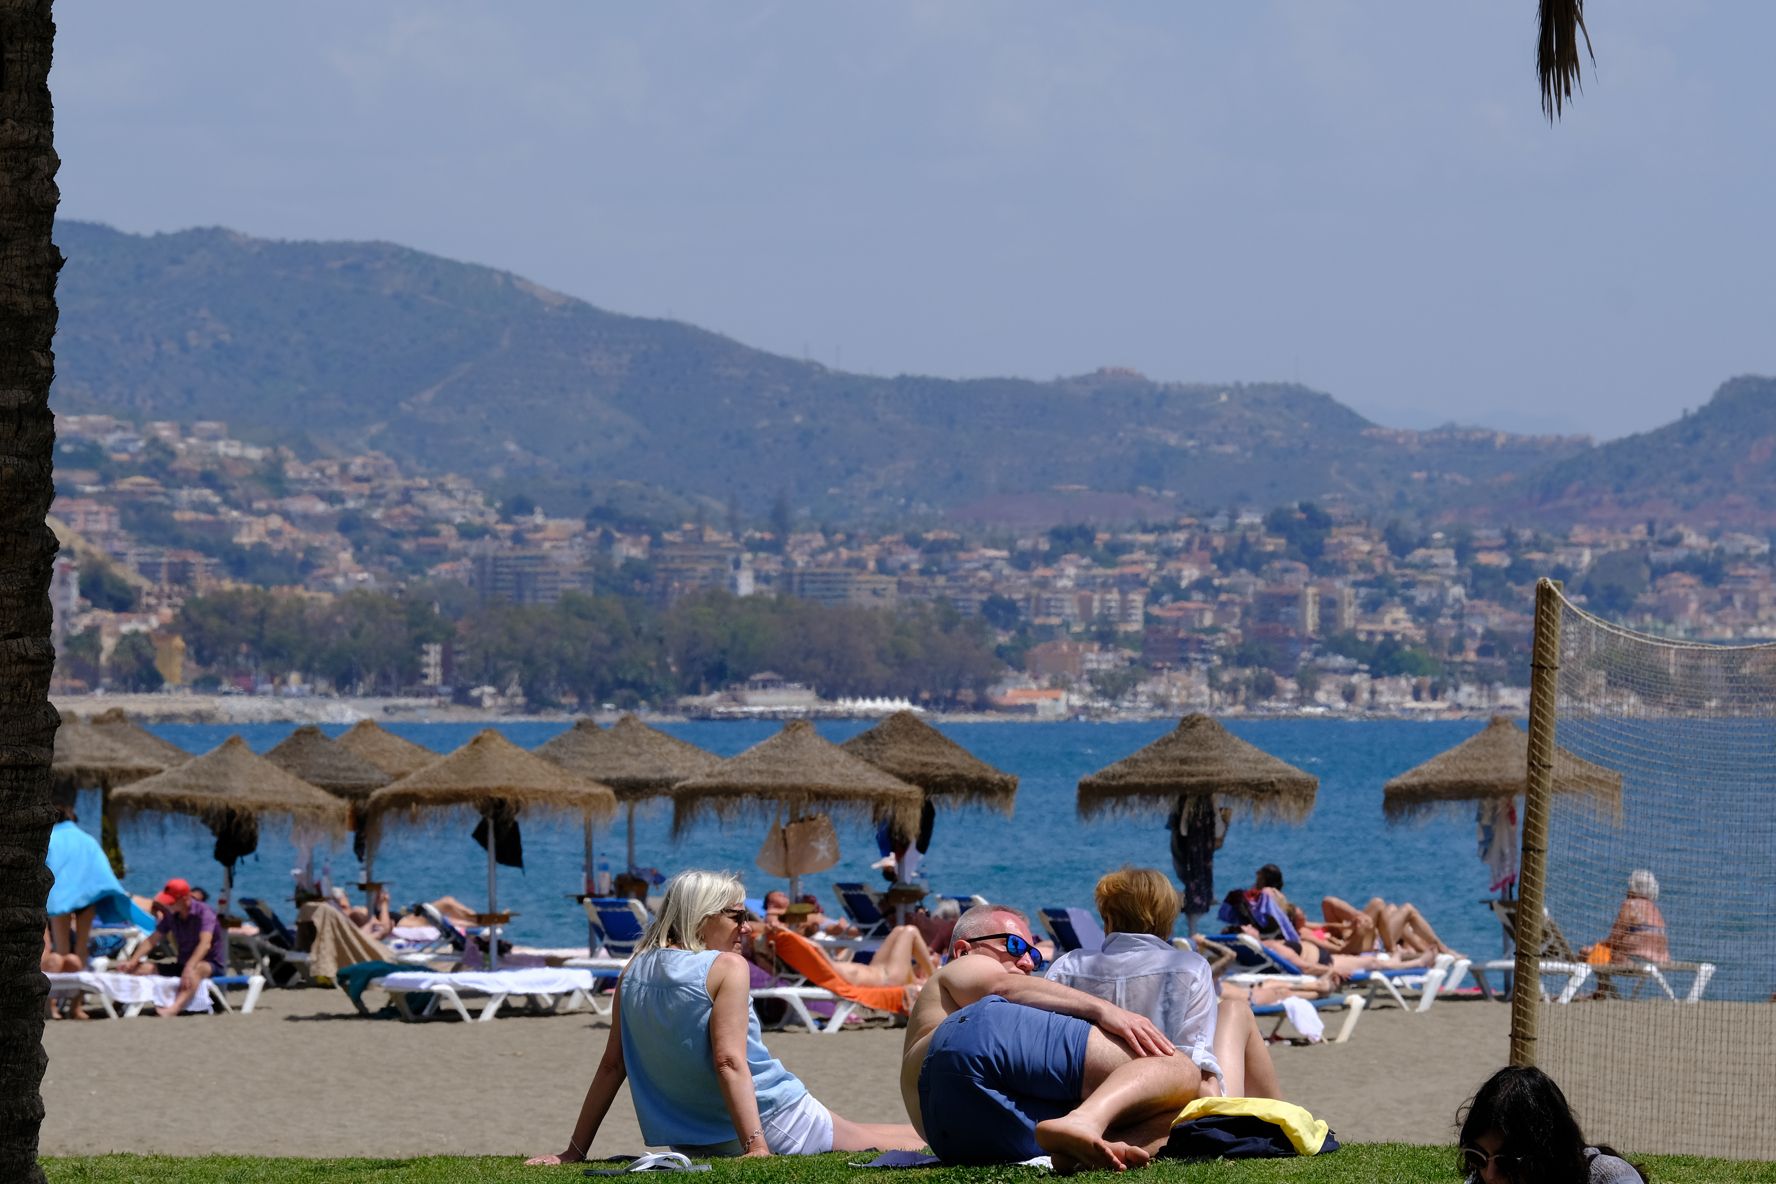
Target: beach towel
(331, 940)
(83, 877)
(1496, 823)
(809, 961)
(1246, 1128)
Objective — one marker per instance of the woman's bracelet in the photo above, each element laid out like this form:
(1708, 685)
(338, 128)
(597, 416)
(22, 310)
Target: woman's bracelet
(756, 1133)
(575, 1148)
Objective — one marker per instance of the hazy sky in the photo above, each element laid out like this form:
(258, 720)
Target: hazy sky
(1358, 195)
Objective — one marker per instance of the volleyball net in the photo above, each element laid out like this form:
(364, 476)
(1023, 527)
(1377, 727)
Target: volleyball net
(1657, 956)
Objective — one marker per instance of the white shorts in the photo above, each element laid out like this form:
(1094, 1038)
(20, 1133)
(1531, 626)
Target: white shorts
(801, 1128)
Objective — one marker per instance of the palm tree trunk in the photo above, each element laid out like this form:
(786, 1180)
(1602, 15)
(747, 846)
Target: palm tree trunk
(28, 265)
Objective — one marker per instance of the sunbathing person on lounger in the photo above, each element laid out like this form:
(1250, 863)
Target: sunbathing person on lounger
(1139, 968)
(1001, 1066)
(903, 959)
(809, 924)
(684, 1035)
(1400, 929)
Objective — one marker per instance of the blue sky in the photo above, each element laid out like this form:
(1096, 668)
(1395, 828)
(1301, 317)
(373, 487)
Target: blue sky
(1359, 196)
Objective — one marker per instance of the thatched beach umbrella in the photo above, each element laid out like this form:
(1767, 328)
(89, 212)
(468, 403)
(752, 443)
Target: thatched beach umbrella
(116, 725)
(905, 746)
(1199, 758)
(86, 758)
(1493, 763)
(394, 755)
(496, 779)
(636, 761)
(310, 755)
(793, 773)
(230, 789)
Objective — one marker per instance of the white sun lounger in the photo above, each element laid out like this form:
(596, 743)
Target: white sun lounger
(123, 996)
(561, 986)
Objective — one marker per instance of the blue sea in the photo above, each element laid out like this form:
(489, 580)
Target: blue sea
(1042, 856)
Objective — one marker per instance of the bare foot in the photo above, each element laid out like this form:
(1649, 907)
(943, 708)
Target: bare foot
(166, 1012)
(1077, 1146)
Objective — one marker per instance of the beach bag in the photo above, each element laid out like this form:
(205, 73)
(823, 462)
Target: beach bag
(1246, 1128)
(800, 847)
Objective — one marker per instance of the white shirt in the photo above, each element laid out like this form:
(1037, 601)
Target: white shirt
(1149, 976)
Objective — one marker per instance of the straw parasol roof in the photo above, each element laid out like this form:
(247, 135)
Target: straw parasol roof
(1199, 756)
(635, 760)
(118, 726)
(85, 756)
(798, 772)
(228, 783)
(1493, 763)
(308, 754)
(905, 746)
(393, 754)
(489, 769)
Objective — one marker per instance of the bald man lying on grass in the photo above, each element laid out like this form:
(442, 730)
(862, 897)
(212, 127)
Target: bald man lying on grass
(1000, 1065)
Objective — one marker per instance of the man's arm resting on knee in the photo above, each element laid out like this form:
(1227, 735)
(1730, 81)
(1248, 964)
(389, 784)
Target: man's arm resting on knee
(970, 983)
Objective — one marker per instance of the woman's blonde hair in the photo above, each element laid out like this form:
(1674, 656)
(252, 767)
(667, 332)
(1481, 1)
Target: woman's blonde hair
(1137, 900)
(691, 898)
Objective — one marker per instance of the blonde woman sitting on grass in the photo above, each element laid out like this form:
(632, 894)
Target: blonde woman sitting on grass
(684, 1035)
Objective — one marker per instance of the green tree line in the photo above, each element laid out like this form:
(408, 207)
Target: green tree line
(589, 648)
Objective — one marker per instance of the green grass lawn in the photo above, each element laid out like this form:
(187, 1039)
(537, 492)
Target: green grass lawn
(1372, 1163)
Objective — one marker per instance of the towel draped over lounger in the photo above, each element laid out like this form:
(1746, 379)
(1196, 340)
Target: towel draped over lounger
(807, 959)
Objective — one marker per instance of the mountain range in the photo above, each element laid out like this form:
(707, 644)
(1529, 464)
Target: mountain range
(449, 366)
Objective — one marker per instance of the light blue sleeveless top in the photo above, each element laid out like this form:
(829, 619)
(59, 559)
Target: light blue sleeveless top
(665, 1007)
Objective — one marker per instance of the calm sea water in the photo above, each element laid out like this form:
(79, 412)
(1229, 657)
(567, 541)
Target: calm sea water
(1041, 856)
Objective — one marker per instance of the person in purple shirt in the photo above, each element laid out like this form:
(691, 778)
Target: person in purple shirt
(197, 937)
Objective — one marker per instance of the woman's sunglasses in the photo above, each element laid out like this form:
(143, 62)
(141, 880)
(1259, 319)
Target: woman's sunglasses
(1016, 946)
(737, 914)
(1477, 1161)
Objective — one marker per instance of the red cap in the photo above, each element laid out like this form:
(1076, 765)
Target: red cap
(175, 891)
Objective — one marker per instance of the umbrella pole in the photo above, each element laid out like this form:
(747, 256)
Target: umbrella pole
(491, 934)
(589, 864)
(629, 834)
(227, 885)
(795, 881)
(590, 889)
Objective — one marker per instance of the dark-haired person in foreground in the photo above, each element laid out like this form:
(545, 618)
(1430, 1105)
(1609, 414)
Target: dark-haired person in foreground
(1518, 1129)
(1001, 1066)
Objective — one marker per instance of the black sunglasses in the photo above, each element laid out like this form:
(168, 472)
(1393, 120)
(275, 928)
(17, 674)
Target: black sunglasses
(1478, 1161)
(737, 914)
(1016, 946)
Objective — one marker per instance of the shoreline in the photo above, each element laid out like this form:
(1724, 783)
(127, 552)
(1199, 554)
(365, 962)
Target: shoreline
(191, 708)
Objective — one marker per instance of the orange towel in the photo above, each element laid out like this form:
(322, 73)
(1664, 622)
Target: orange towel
(810, 961)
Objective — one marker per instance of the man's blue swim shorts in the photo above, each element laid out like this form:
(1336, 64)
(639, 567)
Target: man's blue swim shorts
(992, 1071)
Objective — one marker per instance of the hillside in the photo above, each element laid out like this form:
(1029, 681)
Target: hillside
(451, 366)
(1714, 467)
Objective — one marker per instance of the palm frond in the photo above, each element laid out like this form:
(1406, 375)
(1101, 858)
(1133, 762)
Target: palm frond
(1561, 24)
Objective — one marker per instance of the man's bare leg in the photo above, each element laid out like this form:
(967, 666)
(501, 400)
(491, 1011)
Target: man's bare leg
(187, 992)
(1123, 1093)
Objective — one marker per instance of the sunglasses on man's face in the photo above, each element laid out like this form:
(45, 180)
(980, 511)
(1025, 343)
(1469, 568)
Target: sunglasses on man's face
(1477, 1161)
(1015, 945)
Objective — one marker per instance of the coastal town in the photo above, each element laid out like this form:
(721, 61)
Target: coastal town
(1302, 608)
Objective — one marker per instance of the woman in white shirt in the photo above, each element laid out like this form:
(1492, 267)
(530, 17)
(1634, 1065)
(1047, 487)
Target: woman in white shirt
(1139, 969)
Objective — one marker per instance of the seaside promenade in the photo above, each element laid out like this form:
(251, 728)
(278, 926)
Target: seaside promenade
(305, 1075)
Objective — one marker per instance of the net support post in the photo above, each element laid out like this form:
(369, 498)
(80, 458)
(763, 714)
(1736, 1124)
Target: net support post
(1538, 792)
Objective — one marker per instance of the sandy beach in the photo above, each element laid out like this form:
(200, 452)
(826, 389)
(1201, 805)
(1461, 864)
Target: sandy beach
(306, 1076)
